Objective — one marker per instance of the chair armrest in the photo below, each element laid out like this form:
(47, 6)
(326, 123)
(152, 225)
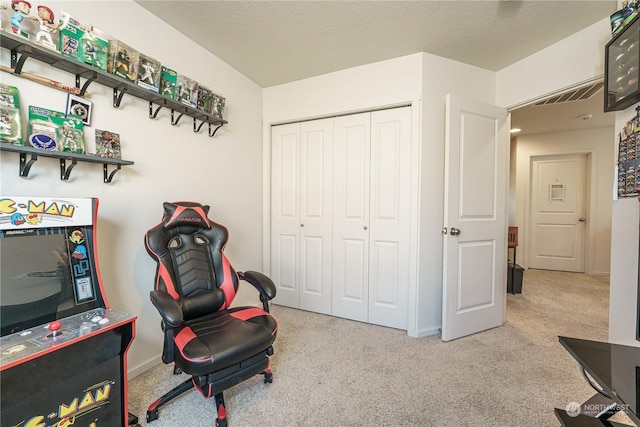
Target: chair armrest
(261, 282)
(168, 308)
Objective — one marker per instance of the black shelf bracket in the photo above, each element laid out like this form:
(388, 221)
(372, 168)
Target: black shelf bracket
(90, 76)
(154, 114)
(66, 171)
(197, 128)
(212, 134)
(24, 52)
(25, 165)
(108, 177)
(176, 120)
(118, 93)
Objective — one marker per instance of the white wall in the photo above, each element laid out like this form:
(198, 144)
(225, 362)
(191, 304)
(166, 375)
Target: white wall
(422, 80)
(171, 162)
(623, 299)
(597, 144)
(577, 58)
(440, 76)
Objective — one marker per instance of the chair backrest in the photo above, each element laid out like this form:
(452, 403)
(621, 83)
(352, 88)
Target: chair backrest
(192, 267)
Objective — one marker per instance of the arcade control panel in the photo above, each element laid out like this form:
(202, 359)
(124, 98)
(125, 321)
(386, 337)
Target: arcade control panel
(30, 342)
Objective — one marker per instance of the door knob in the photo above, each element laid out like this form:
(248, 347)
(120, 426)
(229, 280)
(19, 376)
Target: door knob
(582, 219)
(365, 227)
(301, 225)
(454, 231)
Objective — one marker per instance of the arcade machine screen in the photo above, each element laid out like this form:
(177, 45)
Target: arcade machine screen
(46, 274)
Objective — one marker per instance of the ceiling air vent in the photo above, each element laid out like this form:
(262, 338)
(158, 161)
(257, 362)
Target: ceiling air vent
(579, 94)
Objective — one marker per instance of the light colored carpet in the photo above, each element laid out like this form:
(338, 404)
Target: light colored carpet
(335, 372)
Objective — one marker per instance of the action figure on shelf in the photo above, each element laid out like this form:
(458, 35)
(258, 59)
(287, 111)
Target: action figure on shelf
(148, 70)
(10, 130)
(123, 61)
(71, 139)
(5, 124)
(168, 88)
(90, 54)
(21, 10)
(47, 27)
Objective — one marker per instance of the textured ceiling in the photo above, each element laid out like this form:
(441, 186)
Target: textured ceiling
(274, 42)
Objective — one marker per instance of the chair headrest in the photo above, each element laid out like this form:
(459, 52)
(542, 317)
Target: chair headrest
(185, 213)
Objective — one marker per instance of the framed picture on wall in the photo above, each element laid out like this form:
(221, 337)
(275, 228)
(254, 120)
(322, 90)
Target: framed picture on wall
(78, 106)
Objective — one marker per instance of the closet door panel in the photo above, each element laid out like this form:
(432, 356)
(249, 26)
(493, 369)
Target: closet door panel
(351, 216)
(285, 212)
(389, 217)
(316, 170)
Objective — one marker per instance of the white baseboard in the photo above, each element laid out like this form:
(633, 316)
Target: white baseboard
(428, 332)
(133, 372)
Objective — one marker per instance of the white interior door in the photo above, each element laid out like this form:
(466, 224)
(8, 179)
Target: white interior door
(316, 170)
(389, 216)
(350, 297)
(558, 213)
(475, 215)
(285, 212)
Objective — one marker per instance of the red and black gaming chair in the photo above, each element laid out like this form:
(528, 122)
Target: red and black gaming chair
(219, 346)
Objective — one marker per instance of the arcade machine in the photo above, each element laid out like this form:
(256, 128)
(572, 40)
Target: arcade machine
(62, 348)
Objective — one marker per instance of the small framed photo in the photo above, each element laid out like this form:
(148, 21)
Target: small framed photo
(80, 107)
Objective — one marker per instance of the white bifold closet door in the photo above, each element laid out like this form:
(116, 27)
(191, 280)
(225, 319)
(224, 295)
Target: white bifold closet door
(340, 211)
(301, 184)
(371, 208)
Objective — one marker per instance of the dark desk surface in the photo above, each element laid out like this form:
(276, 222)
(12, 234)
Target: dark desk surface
(616, 368)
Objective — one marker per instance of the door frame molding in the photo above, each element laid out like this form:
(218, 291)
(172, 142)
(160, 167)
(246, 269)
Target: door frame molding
(415, 106)
(591, 211)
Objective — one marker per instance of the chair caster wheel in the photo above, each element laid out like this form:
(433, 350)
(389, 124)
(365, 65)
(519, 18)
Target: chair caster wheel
(221, 423)
(176, 370)
(268, 378)
(152, 416)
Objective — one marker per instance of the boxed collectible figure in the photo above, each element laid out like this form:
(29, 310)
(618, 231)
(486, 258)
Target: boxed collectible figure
(148, 73)
(20, 20)
(168, 78)
(52, 130)
(107, 144)
(10, 126)
(10, 115)
(218, 106)
(187, 91)
(122, 60)
(205, 99)
(94, 48)
(71, 32)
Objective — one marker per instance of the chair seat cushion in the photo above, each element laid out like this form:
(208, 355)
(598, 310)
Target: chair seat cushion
(214, 342)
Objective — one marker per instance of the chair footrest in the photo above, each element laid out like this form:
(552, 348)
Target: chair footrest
(223, 379)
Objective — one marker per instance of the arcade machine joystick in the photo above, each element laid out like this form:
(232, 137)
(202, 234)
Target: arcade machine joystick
(54, 327)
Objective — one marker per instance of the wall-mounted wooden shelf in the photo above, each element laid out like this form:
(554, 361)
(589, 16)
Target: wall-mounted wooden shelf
(22, 49)
(65, 171)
